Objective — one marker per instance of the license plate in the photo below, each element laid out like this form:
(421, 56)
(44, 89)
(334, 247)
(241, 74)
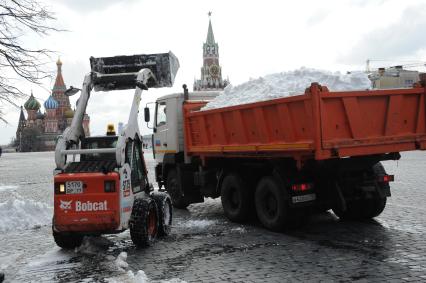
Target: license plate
(74, 187)
(303, 198)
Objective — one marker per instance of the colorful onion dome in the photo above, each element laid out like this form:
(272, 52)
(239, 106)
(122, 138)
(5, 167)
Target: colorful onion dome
(40, 115)
(51, 103)
(32, 103)
(69, 113)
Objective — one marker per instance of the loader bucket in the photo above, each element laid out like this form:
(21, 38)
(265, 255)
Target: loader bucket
(120, 72)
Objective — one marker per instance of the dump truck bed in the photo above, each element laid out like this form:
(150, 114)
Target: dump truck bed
(319, 124)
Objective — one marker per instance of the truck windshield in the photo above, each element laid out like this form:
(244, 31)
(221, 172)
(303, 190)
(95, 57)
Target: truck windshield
(161, 114)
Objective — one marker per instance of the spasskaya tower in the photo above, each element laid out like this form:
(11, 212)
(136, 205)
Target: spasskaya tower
(211, 72)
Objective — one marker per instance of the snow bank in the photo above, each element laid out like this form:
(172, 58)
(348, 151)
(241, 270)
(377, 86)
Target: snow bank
(23, 214)
(287, 84)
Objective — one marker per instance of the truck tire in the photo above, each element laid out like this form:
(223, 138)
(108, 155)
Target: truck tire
(365, 208)
(165, 212)
(144, 222)
(236, 198)
(271, 206)
(67, 241)
(361, 209)
(175, 191)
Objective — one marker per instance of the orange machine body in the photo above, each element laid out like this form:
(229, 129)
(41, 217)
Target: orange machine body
(317, 125)
(93, 210)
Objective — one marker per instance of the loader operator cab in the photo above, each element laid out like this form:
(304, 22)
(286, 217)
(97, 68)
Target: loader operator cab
(108, 141)
(98, 142)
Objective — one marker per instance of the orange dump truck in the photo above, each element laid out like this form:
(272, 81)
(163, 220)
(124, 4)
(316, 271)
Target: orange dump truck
(286, 158)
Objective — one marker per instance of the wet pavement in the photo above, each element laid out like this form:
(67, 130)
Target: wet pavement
(205, 247)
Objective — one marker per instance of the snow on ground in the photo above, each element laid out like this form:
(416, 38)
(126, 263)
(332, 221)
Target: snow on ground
(23, 214)
(130, 277)
(240, 230)
(50, 258)
(7, 188)
(197, 223)
(93, 245)
(287, 84)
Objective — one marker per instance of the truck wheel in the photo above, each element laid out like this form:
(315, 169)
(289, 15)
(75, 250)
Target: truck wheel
(361, 209)
(67, 241)
(175, 191)
(366, 208)
(165, 212)
(271, 206)
(379, 204)
(144, 222)
(236, 198)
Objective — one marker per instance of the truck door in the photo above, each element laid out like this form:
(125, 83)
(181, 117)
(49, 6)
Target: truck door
(160, 131)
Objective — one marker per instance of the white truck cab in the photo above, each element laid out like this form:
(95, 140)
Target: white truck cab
(168, 146)
(168, 122)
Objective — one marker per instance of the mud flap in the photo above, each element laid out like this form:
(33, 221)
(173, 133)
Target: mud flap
(186, 178)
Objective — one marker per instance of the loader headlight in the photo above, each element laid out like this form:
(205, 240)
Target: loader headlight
(59, 188)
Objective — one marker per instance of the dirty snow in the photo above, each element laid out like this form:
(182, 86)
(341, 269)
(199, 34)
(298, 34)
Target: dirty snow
(120, 261)
(23, 214)
(197, 223)
(93, 245)
(50, 258)
(130, 277)
(286, 84)
(240, 230)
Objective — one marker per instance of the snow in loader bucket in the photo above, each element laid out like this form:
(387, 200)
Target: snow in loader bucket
(120, 72)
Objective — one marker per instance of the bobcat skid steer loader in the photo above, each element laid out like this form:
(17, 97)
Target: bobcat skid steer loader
(100, 183)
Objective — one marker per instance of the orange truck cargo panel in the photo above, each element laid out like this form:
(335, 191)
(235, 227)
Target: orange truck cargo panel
(319, 124)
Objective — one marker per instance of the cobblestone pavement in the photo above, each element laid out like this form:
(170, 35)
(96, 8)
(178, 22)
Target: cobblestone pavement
(205, 247)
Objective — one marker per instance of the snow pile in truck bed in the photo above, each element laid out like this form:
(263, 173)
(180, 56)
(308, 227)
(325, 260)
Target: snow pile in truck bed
(287, 84)
(23, 214)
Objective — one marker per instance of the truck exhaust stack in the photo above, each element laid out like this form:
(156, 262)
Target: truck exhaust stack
(120, 72)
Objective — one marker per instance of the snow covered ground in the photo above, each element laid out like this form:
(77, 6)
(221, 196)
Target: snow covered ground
(287, 84)
(202, 239)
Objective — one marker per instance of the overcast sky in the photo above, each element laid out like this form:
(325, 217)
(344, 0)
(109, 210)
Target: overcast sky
(255, 38)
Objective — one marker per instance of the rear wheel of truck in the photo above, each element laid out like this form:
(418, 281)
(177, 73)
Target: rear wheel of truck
(165, 212)
(361, 209)
(366, 208)
(144, 222)
(175, 191)
(66, 240)
(271, 206)
(236, 197)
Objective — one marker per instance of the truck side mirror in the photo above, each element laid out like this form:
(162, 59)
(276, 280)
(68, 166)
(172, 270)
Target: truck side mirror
(147, 114)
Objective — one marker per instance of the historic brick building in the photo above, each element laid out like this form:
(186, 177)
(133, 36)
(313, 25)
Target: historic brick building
(38, 132)
(211, 72)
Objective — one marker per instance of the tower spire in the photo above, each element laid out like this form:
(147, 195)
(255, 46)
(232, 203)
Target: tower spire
(59, 85)
(210, 35)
